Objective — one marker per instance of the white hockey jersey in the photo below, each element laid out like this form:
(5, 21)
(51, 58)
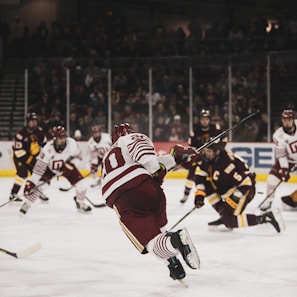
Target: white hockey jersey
(99, 149)
(286, 146)
(130, 160)
(54, 160)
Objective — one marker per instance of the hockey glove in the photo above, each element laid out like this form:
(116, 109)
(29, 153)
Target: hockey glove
(191, 161)
(199, 198)
(160, 174)
(181, 153)
(31, 161)
(284, 174)
(29, 186)
(66, 167)
(34, 148)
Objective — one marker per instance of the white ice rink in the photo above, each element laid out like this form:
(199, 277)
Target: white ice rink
(89, 256)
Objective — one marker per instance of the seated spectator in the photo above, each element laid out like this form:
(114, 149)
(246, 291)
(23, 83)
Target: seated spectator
(180, 128)
(173, 136)
(77, 135)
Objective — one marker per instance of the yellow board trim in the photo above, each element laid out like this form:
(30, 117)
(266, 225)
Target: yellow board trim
(175, 174)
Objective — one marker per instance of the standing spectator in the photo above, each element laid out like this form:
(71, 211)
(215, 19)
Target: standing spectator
(86, 127)
(132, 179)
(17, 33)
(40, 37)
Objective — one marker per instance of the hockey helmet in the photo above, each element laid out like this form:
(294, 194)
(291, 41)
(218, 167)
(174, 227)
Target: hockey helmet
(288, 126)
(32, 116)
(96, 128)
(96, 131)
(205, 113)
(32, 121)
(59, 131)
(59, 135)
(288, 114)
(121, 130)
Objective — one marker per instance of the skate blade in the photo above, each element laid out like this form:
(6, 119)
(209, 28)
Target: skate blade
(286, 207)
(279, 218)
(192, 257)
(183, 283)
(219, 228)
(183, 200)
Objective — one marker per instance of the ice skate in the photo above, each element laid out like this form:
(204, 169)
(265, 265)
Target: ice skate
(266, 205)
(25, 207)
(176, 269)
(181, 240)
(289, 203)
(81, 206)
(96, 183)
(184, 198)
(218, 226)
(14, 198)
(273, 217)
(43, 198)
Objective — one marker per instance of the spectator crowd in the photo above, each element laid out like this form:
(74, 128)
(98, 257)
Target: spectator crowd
(88, 49)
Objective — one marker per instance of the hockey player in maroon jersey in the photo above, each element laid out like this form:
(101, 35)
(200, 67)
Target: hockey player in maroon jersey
(28, 142)
(61, 155)
(131, 185)
(285, 140)
(98, 144)
(225, 180)
(201, 133)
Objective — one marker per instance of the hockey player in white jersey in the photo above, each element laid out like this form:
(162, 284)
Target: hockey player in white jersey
(60, 156)
(98, 144)
(285, 139)
(131, 185)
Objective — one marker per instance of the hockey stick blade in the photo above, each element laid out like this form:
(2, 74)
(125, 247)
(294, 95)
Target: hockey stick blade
(294, 168)
(24, 253)
(65, 189)
(96, 205)
(72, 186)
(9, 201)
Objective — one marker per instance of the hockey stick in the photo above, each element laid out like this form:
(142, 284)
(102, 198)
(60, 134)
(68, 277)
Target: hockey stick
(294, 168)
(180, 220)
(96, 205)
(72, 186)
(222, 134)
(34, 188)
(215, 138)
(24, 253)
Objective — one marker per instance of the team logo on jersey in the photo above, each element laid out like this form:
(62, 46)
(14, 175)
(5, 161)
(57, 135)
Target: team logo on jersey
(293, 147)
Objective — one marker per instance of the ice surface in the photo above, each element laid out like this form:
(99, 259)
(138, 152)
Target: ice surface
(87, 255)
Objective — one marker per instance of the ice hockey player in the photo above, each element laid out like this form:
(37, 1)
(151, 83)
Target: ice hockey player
(197, 138)
(98, 144)
(285, 140)
(61, 155)
(131, 185)
(225, 180)
(28, 142)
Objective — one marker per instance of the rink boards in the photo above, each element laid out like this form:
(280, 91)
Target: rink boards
(259, 157)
